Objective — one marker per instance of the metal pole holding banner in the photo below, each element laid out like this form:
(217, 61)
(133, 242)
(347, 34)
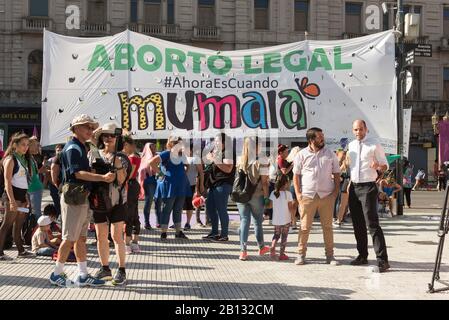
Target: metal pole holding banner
(399, 101)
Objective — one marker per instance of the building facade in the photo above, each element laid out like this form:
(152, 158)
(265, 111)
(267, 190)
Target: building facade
(221, 25)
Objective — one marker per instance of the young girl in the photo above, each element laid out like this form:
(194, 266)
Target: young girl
(281, 201)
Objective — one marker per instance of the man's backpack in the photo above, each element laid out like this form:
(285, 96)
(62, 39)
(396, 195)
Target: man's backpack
(243, 189)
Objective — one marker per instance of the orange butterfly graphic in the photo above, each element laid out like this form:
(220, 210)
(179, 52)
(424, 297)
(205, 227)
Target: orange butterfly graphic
(308, 90)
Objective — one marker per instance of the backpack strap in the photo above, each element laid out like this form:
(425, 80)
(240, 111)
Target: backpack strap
(16, 165)
(70, 147)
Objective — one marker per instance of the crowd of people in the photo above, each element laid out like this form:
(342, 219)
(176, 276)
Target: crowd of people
(98, 177)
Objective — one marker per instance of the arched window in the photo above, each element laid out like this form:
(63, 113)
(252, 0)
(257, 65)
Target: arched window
(35, 64)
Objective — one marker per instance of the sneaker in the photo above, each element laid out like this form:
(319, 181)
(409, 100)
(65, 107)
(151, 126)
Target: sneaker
(26, 254)
(301, 260)
(103, 274)
(5, 258)
(187, 227)
(89, 281)
(200, 224)
(332, 261)
(181, 235)
(59, 280)
(119, 278)
(243, 256)
(172, 226)
(273, 253)
(210, 236)
(148, 226)
(383, 266)
(220, 239)
(263, 250)
(164, 236)
(128, 250)
(336, 224)
(283, 257)
(135, 248)
(359, 261)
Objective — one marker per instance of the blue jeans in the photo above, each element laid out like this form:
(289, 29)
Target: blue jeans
(217, 208)
(254, 208)
(54, 193)
(149, 188)
(36, 202)
(48, 251)
(168, 205)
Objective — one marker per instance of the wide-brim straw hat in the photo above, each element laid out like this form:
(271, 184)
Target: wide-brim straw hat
(106, 128)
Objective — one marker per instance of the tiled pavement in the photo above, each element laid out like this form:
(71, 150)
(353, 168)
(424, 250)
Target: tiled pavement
(197, 269)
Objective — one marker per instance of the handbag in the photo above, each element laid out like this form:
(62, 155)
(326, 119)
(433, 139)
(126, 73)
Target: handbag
(75, 194)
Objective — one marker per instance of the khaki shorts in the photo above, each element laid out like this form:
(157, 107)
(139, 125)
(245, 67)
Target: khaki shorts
(75, 220)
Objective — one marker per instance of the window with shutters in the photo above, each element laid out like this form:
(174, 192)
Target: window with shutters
(301, 15)
(133, 11)
(446, 83)
(261, 14)
(152, 11)
(206, 13)
(171, 11)
(353, 17)
(96, 11)
(38, 8)
(446, 22)
(35, 64)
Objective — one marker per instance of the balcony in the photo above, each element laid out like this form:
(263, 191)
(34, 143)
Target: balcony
(425, 108)
(168, 31)
(95, 29)
(209, 33)
(36, 24)
(20, 97)
(351, 35)
(418, 40)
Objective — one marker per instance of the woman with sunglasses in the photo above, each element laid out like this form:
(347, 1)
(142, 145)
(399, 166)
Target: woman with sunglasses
(102, 159)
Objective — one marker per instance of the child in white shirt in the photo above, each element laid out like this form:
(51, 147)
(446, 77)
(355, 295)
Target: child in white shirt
(281, 201)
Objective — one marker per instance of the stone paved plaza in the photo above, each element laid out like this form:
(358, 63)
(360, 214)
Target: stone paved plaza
(198, 269)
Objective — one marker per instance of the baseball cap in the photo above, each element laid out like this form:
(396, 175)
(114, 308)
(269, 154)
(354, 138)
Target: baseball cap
(44, 221)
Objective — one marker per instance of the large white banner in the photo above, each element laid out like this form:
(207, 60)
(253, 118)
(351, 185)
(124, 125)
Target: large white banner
(154, 88)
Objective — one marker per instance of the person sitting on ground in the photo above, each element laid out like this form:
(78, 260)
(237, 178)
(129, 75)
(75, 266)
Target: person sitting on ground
(388, 188)
(50, 211)
(41, 244)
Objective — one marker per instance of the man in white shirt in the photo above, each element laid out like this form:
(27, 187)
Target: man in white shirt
(366, 158)
(317, 182)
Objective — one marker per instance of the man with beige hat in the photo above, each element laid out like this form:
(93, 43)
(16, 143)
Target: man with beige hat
(74, 205)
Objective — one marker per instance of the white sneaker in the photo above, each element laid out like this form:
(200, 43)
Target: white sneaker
(332, 261)
(128, 250)
(135, 248)
(300, 260)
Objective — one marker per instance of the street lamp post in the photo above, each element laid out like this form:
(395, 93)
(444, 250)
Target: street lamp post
(399, 102)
